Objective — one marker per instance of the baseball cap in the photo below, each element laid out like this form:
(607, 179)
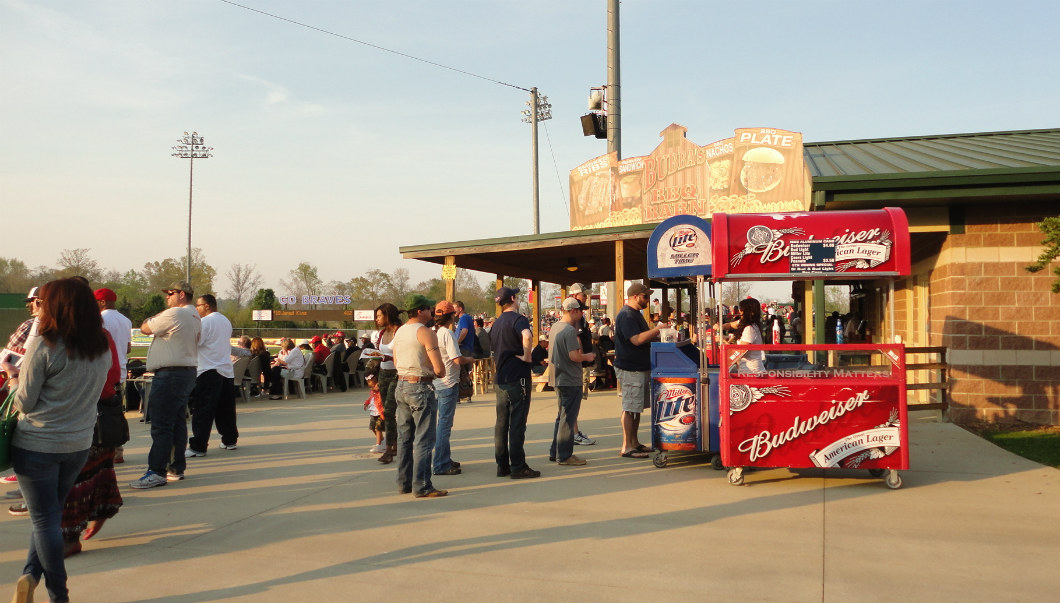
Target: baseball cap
(105, 295)
(32, 295)
(340, 335)
(444, 307)
(180, 286)
(505, 295)
(316, 339)
(577, 288)
(637, 289)
(415, 301)
(572, 304)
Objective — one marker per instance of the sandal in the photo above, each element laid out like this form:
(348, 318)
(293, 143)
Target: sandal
(643, 448)
(634, 454)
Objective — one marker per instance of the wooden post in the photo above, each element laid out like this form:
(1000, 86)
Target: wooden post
(449, 276)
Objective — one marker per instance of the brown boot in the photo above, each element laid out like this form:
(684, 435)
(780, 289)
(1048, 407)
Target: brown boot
(388, 456)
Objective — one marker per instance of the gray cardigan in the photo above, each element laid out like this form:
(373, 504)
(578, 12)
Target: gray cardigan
(57, 397)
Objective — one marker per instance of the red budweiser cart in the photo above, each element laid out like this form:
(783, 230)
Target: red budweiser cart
(824, 406)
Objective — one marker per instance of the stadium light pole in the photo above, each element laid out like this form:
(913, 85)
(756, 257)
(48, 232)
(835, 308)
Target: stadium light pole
(540, 110)
(191, 147)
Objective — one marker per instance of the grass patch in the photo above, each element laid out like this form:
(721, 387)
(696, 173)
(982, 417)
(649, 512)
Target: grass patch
(1037, 443)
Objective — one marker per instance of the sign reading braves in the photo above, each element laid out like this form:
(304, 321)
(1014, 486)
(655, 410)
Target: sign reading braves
(680, 246)
(809, 245)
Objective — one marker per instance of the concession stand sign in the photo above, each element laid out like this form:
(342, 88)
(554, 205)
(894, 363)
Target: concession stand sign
(757, 170)
(811, 245)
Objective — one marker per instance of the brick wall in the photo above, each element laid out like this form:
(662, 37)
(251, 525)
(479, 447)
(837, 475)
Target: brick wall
(1000, 323)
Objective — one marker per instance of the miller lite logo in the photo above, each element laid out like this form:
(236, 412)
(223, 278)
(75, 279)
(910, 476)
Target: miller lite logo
(684, 238)
(676, 405)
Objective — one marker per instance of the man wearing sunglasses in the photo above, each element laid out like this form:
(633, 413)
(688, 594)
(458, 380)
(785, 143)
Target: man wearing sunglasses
(173, 358)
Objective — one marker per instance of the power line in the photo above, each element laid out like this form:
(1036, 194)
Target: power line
(559, 181)
(375, 46)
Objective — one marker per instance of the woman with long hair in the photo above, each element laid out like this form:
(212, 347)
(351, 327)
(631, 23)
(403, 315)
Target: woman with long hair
(259, 350)
(388, 320)
(749, 330)
(59, 384)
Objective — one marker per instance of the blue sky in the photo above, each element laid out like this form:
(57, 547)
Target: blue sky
(336, 153)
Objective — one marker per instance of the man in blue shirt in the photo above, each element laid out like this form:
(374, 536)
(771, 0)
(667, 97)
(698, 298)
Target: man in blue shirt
(512, 339)
(465, 340)
(633, 365)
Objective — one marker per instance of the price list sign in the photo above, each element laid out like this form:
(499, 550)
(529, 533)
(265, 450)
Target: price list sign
(812, 256)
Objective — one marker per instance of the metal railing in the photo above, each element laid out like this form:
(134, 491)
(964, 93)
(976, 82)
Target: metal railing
(926, 370)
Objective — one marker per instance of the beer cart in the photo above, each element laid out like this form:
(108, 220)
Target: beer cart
(684, 377)
(837, 406)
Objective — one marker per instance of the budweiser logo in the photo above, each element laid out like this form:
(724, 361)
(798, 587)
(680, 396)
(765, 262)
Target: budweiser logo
(763, 443)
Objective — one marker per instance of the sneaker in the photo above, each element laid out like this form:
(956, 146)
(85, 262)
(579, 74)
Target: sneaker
(525, 473)
(189, 453)
(9, 479)
(18, 510)
(583, 440)
(572, 460)
(454, 464)
(378, 448)
(226, 447)
(14, 494)
(174, 477)
(432, 493)
(149, 480)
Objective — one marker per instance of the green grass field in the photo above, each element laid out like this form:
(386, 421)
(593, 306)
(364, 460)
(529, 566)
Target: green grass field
(1040, 445)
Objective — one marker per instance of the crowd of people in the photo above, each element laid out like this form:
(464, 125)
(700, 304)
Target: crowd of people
(73, 353)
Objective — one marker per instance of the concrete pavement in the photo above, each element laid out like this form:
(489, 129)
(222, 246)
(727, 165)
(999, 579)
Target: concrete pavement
(302, 512)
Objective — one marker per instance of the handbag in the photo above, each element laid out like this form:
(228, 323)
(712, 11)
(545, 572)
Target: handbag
(112, 430)
(8, 420)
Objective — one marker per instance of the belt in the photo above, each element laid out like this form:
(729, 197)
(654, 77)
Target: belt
(414, 378)
(174, 368)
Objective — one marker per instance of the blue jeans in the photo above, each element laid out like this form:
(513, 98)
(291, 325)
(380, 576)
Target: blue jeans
(416, 412)
(570, 404)
(447, 400)
(509, 433)
(169, 425)
(45, 479)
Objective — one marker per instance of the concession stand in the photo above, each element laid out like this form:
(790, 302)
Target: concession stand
(827, 406)
(802, 406)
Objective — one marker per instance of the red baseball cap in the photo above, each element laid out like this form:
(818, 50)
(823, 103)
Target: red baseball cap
(316, 339)
(105, 295)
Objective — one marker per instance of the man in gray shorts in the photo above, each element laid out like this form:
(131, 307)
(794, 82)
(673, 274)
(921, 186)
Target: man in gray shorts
(633, 365)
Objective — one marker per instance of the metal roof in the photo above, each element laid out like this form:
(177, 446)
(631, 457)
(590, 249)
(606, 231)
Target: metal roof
(969, 156)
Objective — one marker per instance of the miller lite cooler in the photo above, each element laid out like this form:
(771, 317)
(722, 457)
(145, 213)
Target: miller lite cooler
(683, 415)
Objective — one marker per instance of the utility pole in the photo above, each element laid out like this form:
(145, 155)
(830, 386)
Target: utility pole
(614, 113)
(191, 147)
(540, 110)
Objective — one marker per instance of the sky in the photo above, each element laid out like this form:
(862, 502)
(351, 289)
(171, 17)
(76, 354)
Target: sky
(330, 150)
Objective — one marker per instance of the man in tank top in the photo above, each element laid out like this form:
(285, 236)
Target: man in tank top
(419, 362)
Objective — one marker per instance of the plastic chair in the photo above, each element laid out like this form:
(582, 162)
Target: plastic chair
(239, 379)
(255, 369)
(329, 373)
(298, 382)
(353, 377)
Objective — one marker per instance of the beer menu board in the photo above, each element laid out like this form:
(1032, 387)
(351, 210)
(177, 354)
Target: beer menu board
(757, 170)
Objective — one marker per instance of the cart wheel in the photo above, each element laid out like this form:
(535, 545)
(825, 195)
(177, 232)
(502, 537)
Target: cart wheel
(893, 480)
(715, 463)
(736, 476)
(877, 472)
(660, 460)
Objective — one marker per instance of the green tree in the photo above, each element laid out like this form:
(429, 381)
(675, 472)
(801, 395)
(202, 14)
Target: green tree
(152, 306)
(160, 275)
(15, 276)
(1051, 228)
(265, 299)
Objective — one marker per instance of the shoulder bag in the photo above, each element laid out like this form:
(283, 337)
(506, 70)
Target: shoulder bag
(112, 430)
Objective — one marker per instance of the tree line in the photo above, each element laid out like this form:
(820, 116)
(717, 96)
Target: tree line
(139, 291)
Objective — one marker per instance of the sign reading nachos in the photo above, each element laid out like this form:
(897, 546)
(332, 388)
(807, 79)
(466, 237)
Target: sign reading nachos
(758, 170)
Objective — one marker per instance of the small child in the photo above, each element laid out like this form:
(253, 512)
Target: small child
(374, 406)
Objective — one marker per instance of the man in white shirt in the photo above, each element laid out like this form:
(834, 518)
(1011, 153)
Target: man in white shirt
(213, 399)
(171, 358)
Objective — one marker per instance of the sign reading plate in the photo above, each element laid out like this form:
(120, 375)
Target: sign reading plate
(680, 246)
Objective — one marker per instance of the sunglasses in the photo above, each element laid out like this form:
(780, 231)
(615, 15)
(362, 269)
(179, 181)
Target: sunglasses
(168, 293)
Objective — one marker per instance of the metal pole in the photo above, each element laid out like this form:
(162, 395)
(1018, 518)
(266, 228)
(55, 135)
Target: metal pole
(614, 112)
(191, 182)
(533, 147)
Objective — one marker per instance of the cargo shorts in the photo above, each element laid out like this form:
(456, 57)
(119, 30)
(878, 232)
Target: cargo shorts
(636, 389)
